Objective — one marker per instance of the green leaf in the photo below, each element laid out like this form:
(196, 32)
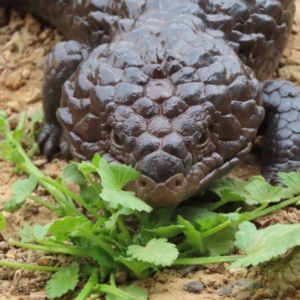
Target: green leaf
(102, 257)
(168, 231)
(117, 198)
(26, 233)
(72, 174)
(133, 291)
(136, 292)
(90, 195)
(229, 189)
(21, 189)
(193, 213)
(193, 237)
(140, 269)
(259, 191)
(291, 180)
(39, 232)
(221, 242)
(262, 245)
(2, 222)
(116, 175)
(157, 251)
(111, 222)
(62, 281)
(63, 228)
(37, 117)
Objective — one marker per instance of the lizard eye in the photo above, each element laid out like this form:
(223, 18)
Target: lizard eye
(202, 138)
(116, 140)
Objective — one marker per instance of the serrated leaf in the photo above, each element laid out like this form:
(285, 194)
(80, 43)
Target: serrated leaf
(102, 257)
(26, 233)
(291, 180)
(259, 191)
(62, 281)
(65, 227)
(193, 237)
(117, 198)
(72, 174)
(2, 222)
(139, 268)
(229, 189)
(39, 232)
(262, 245)
(116, 175)
(157, 251)
(23, 188)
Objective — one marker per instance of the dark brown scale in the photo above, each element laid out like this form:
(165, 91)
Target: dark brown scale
(173, 88)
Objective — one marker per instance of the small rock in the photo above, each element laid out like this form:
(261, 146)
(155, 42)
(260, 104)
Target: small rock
(4, 246)
(121, 276)
(244, 289)
(44, 34)
(193, 287)
(33, 95)
(238, 272)
(26, 73)
(41, 295)
(36, 55)
(14, 106)
(225, 290)
(6, 54)
(15, 80)
(45, 261)
(184, 271)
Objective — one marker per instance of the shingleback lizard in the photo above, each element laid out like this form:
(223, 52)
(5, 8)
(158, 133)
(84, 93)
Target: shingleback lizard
(175, 88)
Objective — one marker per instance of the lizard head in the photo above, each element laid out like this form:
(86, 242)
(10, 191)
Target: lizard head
(182, 110)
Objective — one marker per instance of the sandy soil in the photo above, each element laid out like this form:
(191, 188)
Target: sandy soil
(24, 45)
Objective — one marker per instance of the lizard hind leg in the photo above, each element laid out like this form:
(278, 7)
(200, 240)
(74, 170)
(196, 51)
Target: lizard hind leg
(281, 144)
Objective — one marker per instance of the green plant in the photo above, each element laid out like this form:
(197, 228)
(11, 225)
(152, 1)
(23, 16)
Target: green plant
(107, 229)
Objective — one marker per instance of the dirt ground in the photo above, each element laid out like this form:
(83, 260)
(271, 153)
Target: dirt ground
(24, 45)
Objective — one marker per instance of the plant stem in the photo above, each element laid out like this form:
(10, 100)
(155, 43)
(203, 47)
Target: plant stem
(88, 288)
(107, 289)
(112, 280)
(92, 183)
(71, 250)
(216, 229)
(72, 195)
(214, 206)
(15, 265)
(32, 150)
(44, 203)
(255, 215)
(206, 260)
(124, 229)
(97, 241)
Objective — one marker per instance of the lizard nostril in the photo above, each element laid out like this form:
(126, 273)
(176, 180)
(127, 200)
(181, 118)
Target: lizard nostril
(178, 183)
(143, 183)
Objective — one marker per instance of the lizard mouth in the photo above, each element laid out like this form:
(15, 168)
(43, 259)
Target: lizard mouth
(155, 194)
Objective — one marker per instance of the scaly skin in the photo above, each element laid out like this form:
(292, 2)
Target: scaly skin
(170, 87)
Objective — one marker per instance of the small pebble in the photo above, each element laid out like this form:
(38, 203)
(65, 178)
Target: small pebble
(225, 290)
(184, 271)
(193, 287)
